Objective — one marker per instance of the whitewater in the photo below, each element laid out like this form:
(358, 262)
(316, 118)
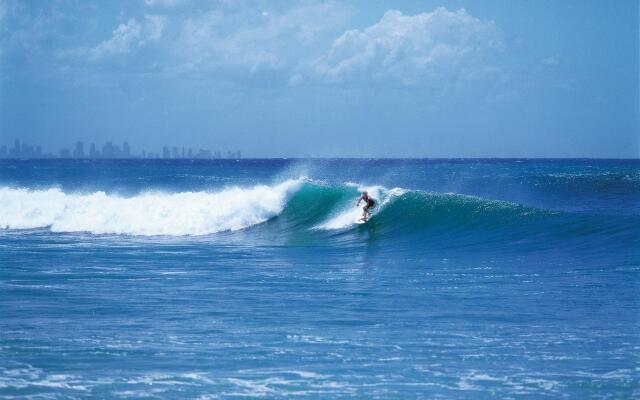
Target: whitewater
(162, 213)
(216, 279)
(151, 213)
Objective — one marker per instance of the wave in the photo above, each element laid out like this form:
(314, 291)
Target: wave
(297, 205)
(147, 214)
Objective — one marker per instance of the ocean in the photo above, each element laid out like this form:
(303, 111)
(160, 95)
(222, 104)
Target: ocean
(474, 279)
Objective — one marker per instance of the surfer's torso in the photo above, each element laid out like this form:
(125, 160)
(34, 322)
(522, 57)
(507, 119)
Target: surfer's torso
(370, 202)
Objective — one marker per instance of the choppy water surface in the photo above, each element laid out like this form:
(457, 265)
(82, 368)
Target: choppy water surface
(179, 279)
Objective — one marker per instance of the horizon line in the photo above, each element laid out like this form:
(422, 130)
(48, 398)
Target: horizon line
(311, 158)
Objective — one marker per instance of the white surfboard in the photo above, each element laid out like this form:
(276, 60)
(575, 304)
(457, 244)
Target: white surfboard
(361, 221)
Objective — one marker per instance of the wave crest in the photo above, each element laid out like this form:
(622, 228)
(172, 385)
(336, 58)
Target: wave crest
(186, 213)
(294, 206)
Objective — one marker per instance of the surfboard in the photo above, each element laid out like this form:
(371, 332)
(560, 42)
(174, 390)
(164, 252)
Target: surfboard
(361, 221)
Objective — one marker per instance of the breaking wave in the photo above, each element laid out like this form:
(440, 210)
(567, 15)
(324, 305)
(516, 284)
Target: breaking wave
(304, 205)
(153, 213)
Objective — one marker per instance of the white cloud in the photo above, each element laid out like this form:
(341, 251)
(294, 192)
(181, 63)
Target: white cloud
(154, 27)
(162, 3)
(256, 40)
(129, 35)
(124, 36)
(304, 44)
(26, 30)
(550, 61)
(411, 49)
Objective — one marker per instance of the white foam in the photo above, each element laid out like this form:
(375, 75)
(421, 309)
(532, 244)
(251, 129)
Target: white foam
(348, 215)
(343, 219)
(153, 213)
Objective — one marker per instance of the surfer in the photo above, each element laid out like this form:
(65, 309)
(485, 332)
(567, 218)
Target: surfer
(369, 204)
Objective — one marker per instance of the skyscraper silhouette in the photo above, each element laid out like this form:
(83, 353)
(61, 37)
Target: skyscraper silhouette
(126, 150)
(79, 150)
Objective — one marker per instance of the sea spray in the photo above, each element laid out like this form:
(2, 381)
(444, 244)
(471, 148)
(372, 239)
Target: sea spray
(346, 216)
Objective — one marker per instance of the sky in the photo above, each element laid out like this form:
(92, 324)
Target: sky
(507, 78)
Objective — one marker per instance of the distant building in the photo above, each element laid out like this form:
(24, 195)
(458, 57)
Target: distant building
(26, 151)
(203, 154)
(15, 151)
(78, 152)
(109, 150)
(126, 150)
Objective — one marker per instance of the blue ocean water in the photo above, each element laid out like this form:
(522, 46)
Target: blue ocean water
(474, 279)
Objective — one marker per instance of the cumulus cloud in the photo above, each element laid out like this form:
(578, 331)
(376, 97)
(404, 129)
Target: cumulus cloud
(271, 40)
(126, 36)
(29, 31)
(303, 44)
(154, 27)
(410, 49)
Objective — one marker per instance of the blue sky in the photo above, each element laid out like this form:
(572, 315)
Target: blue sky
(362, 78)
